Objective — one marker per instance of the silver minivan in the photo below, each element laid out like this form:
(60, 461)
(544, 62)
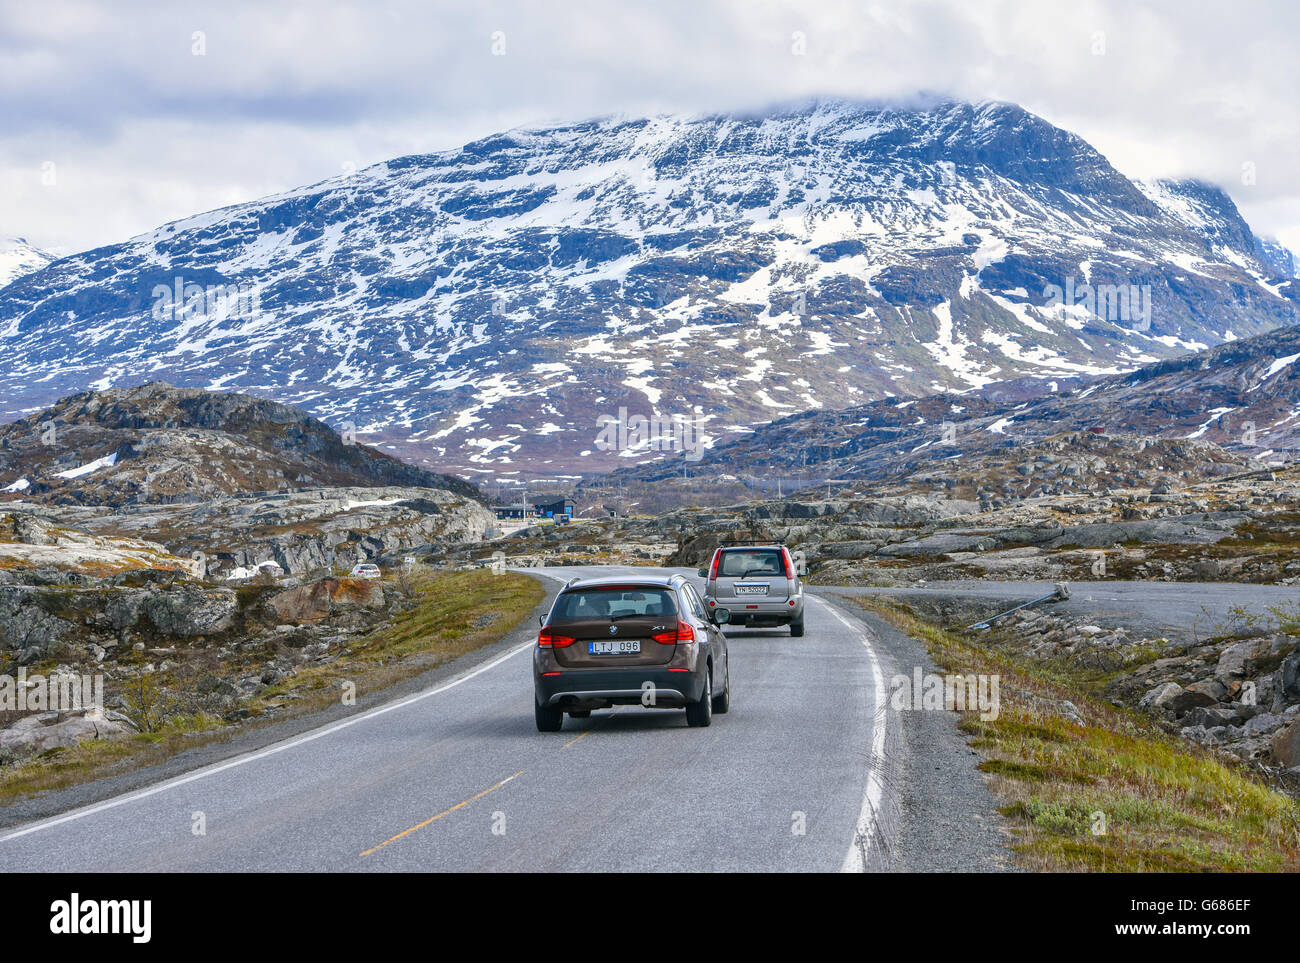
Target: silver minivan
(758, 584)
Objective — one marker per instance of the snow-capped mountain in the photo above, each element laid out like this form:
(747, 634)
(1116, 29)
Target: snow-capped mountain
(1278, 256)
(1243, 396)
(17, 258)
(481, 309)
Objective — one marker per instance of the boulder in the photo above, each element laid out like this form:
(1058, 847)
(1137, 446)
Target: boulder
(1287, 679)
(54, 730)
(1174, 698)
(1234, 661)
(1285, 745)
(1206, 692)
(1161, 696)
(310, 603)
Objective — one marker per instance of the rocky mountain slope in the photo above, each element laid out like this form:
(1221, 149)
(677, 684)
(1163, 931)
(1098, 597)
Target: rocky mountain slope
(306, 530)
(481, 308)
(156, 444)
(1242, 397)
(18, 258)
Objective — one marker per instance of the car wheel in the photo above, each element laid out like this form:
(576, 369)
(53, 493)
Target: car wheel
(722, 701)
(700, 712)
(580, 714)
(796, 628)
(548, 719)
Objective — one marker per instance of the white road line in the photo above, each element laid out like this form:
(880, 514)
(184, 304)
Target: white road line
(855, 861)
(261, 753)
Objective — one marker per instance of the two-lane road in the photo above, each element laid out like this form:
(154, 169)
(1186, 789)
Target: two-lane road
(801, 774)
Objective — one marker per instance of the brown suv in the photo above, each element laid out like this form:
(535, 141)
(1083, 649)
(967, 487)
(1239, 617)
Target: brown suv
(640, 640)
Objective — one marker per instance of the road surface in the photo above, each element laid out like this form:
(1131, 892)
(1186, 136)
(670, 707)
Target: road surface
(1183, 610)
(806, 772)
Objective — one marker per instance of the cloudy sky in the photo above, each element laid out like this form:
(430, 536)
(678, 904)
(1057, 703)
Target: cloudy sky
(117, 117)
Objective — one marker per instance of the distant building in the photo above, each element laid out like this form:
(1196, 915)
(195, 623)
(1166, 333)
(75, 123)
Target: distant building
(539, 507)
(552, 508)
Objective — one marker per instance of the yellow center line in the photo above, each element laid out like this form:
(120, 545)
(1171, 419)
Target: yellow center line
(577, 739)
(445, 812)
(599, 723)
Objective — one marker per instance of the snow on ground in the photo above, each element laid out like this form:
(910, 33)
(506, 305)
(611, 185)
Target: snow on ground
(1274, 368)
(1215, 415)
(106, 462)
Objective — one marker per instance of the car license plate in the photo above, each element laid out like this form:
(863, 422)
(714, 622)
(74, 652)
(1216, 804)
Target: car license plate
(751, 589)
(615, 647)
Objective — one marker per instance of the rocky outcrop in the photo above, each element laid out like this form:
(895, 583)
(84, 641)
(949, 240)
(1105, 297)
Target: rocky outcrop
(156, 444)
(38, 622)
(61, 730)
(302, 531)
(310, 603)
(26, 628)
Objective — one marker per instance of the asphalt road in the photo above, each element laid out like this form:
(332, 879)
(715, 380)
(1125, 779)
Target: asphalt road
(809, 771)
(1181, 610)
(806, 772)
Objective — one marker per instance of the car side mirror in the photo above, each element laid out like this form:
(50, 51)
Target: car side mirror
(541, 621)
(721, 616)
(702, 573)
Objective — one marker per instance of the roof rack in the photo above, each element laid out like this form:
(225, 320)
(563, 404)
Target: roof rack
(754, 541)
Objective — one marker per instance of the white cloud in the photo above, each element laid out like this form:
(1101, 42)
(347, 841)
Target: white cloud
(141, 131)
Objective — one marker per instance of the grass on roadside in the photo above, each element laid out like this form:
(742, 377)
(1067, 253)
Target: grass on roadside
(456, 613)
(1107, 791)
(452, 613)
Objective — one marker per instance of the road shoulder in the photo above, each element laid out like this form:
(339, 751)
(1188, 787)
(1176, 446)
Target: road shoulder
(948, 820)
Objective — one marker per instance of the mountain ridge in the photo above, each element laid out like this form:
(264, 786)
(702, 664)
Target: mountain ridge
(156, 444)
(480, 308)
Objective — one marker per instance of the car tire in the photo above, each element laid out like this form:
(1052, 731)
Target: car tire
(796, 628)
(700, 712)
(580, 714)
(722, 701)
(548, 719)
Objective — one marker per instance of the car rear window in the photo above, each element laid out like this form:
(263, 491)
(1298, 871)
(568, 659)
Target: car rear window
(608, 603)
(737, 563)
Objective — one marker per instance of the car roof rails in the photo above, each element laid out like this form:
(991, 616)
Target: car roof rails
(755, 541)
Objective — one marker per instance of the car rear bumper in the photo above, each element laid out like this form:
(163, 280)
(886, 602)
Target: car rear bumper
(748, 612)
(649, 686)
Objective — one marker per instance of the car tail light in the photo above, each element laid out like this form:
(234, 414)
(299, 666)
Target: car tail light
(789, 567)
(713, 569)
(548, 639)
(683, 633)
